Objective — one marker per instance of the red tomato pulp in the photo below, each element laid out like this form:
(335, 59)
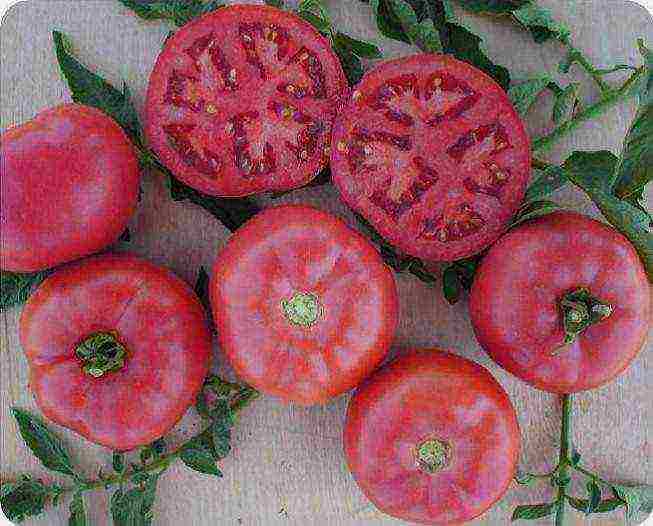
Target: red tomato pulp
(563, 266)
(69, 184)
(242, 101)
(431, 152)
(117, 348)
(304, 306)
(432, 438)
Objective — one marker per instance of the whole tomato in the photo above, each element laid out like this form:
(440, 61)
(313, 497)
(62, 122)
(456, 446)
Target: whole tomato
(304, 306)
(117, 349)
(69, 183)
(432, 438)
(562, 302)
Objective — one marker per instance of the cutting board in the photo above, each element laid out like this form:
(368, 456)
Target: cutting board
(287, 467)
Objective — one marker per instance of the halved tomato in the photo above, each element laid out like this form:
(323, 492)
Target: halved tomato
(304, 306)
(242, 101)
(432, 153)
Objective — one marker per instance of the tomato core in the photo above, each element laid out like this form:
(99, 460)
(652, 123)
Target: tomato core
(101, 353)
(433, 455)
(579, 310)
(302, 309)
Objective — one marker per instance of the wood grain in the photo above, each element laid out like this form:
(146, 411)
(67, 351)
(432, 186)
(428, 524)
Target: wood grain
(287, 467)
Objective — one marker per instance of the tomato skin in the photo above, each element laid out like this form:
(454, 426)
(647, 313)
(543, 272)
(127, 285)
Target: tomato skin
(515, 294)
(250, 94)
(421, 395)
(69, 181)
(156, 316)
(298, 249)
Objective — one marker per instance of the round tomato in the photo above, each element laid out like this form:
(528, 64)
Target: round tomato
(562, 302)
(431, 152)
(242, 101)
(117, 349)
(304, 306)
(69, 183)
(432, 438)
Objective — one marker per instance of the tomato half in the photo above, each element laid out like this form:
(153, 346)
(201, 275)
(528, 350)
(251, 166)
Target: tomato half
(69, 184)
(242, 101)
(117, 349)
(432, 153)
(562, 302)
(304, 306)
(432, 438)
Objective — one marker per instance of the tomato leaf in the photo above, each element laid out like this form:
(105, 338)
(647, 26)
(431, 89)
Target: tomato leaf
(351, 63)
(43, 443)
(524, 479)
(452, 287)
(594, 492)
(566, 102)
(575, 456)
(16, 287)
(421, 33)
(92, 90)
(118, 462)
(26, 498)
(540, 23)
(551, 179)
(360, 48)
(493, 6)
(533, 209)
(279, 4)
(199, 458)
(202, 291)
(524, 94)
(387, 21)
(77, 511)
(223, 421)
(534, 511)
(179, 12)
(134, 507)
(638, 499)
(458, 277)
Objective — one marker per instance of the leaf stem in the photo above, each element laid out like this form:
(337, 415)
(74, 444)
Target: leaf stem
(590, 69)
(564, 462)
(608, 100)
(592, 475)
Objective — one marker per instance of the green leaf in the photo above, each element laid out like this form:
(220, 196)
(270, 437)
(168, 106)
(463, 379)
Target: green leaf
(179, 12)
(635, 168)
(493, 6)
(524, 94)
(565, 102)
(359, 47)
(92, 90)
(118, 462)
(459, 276)
(638, 499)
(351, 64)
(43, 443)
(608, 505)
(452, 288)
(202, 291)
(387, 22)
(16, 287)
(323, 26)
(77, 511)
(524, 479)
(578, 504)
(592, 173)
(541, 24)
(420, 33)
(134, 507)
(279, 4)
(26, 498)
(533, 209)
(535, 511)
(575, 456)
(551, 179)
(221, 430)
(199, 458)
(594, 492)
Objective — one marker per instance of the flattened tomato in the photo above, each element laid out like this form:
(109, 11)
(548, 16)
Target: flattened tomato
(432, 153)
(432, 438)
(304, 306)
(69, 184)
(242, 101)
(562, 302)
(117, 349)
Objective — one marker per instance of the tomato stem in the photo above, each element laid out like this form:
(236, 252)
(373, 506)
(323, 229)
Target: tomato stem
(589, 68)
(562, 475)
(579, 309)
(101, 353)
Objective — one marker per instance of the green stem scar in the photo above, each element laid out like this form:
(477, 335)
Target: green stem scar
(579, 309)
(302, 309)
(433, 455)
(101, 353)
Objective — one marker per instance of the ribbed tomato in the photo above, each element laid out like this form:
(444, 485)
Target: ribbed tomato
(432, 153)
(69, 183)
(432, 438)
(562, 302)
(117, 349)
(242, 101)
(304, 306)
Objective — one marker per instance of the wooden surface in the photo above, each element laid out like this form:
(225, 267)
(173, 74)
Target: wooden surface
(287, 467)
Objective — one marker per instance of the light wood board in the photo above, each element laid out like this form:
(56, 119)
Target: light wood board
(287, 466)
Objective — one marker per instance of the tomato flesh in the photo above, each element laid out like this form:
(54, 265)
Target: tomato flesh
(515, 302)
(432, 153)
(69, 183)
(157, 318)
(432, 438)
(242, 101)
(304, 306)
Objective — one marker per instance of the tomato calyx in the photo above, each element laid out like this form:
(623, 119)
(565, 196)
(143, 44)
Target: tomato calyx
(303, 309)
(433, 455)
(101, 353)
(579, 310)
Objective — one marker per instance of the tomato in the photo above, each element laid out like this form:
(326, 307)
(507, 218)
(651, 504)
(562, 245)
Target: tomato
(117, 349)
(562, 302)
(431, 152)
(242, 101)
(69, 183)
(304, 306)
(432, 438)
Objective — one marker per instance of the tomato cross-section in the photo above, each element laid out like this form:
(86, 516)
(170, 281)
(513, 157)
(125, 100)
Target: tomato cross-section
(242, 101)
(432, 153)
